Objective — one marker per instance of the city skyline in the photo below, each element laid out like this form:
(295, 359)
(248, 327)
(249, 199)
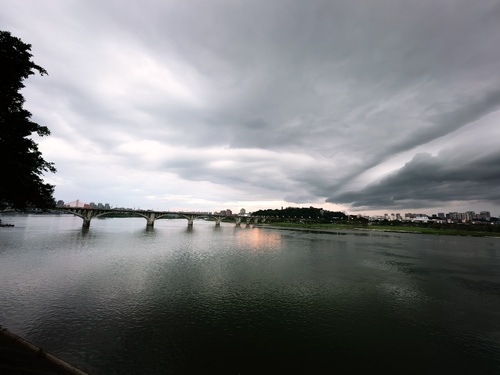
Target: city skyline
(467, 215)
(359, 107)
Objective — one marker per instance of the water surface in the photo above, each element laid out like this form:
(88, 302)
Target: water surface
(119, 299)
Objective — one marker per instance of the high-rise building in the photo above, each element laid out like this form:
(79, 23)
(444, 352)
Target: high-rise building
(485, 215)
(469, 215)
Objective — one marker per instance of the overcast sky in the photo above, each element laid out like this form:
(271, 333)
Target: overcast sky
(358, 106)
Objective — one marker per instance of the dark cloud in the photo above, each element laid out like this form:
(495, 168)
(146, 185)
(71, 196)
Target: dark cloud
(431, 181)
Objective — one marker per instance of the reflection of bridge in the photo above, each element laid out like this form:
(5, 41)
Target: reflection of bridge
(87, 214)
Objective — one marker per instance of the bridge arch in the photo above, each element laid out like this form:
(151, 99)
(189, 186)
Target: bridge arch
(87, 214)
(115, 212)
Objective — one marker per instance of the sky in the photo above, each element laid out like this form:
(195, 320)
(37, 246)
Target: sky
(359, 106)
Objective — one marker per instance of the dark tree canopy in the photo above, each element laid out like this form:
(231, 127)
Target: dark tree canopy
(302, 212)
(21, 162)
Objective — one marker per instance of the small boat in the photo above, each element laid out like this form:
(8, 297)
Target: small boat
(5, 225)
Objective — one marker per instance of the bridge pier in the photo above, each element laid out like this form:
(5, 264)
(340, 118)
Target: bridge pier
(217, 221)
(150, 220)
(86, 216)
(191, 220)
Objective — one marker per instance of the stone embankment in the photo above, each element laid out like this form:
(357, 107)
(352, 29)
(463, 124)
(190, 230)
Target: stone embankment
(19, 356)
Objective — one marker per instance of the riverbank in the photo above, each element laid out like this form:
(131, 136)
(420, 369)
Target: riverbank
(379, 228)
(19, 356)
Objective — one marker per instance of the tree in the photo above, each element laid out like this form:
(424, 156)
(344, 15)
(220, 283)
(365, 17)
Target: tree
(21, 163)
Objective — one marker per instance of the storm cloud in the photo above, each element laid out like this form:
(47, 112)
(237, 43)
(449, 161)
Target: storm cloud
(429, 180)
(357, 105)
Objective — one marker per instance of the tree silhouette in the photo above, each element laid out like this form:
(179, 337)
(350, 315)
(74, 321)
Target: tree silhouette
(21, 163)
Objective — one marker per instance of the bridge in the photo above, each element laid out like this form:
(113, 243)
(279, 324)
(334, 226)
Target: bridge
(87, 214)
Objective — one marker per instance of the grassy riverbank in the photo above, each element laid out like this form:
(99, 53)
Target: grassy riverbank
(470, 231)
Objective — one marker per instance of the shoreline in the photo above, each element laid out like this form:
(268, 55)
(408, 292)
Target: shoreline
(19, 356)
(443, 232)
(333, 230)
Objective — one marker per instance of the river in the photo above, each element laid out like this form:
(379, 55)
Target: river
(120, 299)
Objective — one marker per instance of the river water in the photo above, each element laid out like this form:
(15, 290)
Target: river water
(119, 299)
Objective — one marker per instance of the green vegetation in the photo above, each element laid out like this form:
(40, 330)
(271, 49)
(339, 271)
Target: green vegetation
(21, 162)
(296, 214)
(317, 218)
(444, 229)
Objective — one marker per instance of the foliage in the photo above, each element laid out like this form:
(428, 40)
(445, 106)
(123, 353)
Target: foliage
(475, 230)
(317, 218)
(302, 214)
(21, 161)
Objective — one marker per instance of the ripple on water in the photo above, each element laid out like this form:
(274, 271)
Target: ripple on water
(480, 286)
(206, 300)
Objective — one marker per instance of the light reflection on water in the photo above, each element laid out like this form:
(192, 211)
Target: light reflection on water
(122, 299)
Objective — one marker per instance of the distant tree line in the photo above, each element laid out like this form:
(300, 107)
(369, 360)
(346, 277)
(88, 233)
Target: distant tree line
(302, 213)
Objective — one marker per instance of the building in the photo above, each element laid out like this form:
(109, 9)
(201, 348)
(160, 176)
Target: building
(485, 215)
(76, 203)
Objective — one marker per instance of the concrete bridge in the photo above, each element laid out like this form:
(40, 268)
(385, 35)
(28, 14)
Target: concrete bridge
(87, 214)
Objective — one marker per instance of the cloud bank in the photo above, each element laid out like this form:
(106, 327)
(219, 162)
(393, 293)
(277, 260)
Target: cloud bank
(356, 105)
